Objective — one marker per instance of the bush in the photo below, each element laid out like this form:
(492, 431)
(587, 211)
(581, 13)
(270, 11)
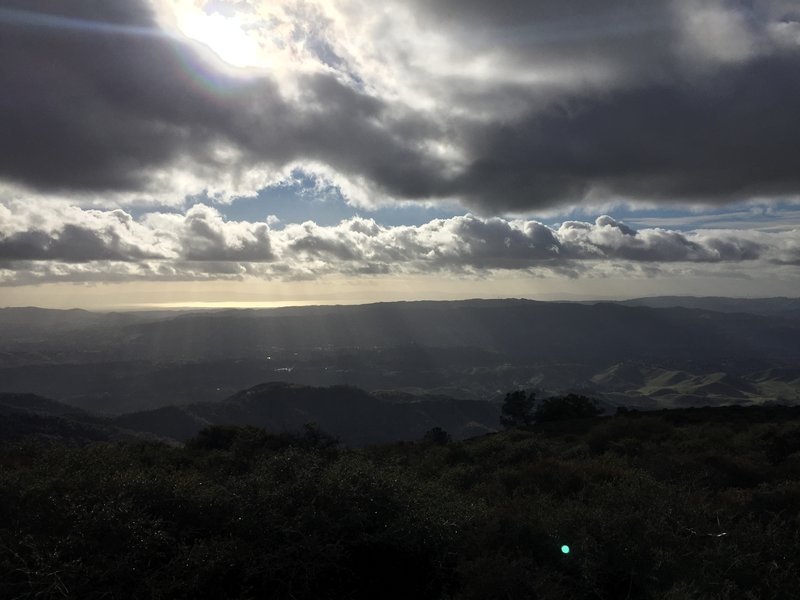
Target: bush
(563, 408)
(436, 437)
(517, 409)
(660, 507)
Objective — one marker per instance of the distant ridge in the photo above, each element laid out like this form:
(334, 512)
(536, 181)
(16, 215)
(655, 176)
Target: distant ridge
(350, 413)
(771, 307)
(36, 405)
(478, 349)
(30, 416)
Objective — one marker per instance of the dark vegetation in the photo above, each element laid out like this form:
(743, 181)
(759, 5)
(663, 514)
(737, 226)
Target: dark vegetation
(521, 409)
(692, 503)
(354, 415)
(100, 499)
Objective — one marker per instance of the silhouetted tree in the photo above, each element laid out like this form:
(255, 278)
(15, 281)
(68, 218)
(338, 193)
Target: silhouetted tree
(517, 409)
(314, 437)
(561, 408)
(436, 436)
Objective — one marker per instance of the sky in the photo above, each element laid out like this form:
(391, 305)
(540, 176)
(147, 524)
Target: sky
(246, 153)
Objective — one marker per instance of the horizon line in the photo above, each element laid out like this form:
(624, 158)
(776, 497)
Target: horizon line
(276, 304)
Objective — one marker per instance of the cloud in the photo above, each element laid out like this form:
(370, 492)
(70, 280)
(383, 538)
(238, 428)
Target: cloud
(101, 100)
(727, 138)
(71, 235)
(504, 106)
(68, 234)
(71, 244)
(562, 103)
(203, 235)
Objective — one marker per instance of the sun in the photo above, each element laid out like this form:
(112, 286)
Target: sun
(225, 36)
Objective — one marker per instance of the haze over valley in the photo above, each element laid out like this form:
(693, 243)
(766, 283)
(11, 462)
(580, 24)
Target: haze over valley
(451, 362)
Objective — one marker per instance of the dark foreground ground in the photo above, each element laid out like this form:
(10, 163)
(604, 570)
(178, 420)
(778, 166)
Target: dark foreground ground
(699, 503)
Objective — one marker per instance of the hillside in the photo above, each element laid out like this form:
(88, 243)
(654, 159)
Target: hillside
(771, 307)
(695, 503)
(518, 329)
(646, 386)
(31, 417)
(480, 349)
(353, 415)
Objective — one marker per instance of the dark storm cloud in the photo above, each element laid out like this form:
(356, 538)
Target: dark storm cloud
(95, 97)
(358, 135)
(72, 244)
(85, 108)
(625, 37)
(696, 101)
(88, 107)
(733, 135)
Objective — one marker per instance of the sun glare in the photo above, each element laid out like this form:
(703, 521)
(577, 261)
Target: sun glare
(224, 36)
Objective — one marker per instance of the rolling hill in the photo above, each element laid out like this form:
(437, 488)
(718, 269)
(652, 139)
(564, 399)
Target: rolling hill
(351, 414)
(479, 349)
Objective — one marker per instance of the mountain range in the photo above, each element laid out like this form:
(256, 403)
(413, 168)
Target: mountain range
(352, 415)
(647, 353)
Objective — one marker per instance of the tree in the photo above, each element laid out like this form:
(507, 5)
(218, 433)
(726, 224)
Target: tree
(314, 437)
(517, 409)
(436, 436)
(562, 408)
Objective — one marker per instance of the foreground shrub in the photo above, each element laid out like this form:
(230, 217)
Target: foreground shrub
(650, 506)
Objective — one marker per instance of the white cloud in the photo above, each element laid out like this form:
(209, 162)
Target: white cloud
(67, 243)
(201, 234)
